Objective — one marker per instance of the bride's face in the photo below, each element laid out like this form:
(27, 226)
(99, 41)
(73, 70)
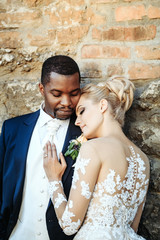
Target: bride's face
(89, 117)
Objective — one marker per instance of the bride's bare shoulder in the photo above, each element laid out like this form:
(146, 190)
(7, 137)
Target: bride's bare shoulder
(108, 144)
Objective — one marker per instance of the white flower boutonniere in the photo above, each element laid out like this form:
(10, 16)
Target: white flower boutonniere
(74, 147)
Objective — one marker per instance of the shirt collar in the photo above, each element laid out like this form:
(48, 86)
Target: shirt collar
(44, 117)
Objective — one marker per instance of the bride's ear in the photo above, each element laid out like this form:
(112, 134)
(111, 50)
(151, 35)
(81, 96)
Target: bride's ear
(103, 105)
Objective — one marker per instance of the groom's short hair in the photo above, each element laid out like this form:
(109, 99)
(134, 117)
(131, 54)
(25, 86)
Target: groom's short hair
(60, 64)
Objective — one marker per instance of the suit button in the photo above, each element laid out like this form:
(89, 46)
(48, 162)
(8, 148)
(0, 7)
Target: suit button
(50, 220)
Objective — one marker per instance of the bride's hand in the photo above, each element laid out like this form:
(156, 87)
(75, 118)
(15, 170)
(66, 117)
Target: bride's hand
(53, 168)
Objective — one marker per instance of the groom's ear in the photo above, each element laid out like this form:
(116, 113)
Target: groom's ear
(41, 89)
(103, 105)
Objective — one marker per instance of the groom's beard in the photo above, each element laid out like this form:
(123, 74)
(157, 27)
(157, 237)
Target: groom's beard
(63, 113)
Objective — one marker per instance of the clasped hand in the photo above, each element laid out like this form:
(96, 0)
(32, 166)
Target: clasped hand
(53, 168)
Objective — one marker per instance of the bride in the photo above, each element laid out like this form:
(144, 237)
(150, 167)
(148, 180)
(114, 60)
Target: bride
(111, 173)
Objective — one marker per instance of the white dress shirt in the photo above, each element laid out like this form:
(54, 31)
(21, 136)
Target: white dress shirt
(59, 138)
(31, 223)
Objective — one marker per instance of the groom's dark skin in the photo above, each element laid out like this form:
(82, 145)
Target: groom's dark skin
(61, 95)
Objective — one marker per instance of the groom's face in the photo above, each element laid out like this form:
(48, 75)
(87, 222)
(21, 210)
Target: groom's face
(61, 95)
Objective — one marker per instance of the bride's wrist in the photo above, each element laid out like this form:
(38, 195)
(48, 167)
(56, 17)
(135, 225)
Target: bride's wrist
(54, 186)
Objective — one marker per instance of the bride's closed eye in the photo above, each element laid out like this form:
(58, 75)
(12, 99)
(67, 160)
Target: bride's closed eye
(81, 111)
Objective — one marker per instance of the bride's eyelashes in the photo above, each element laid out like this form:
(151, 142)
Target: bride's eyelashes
(81, 111)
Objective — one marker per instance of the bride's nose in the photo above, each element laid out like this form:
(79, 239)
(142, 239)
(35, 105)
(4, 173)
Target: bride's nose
(77, 122)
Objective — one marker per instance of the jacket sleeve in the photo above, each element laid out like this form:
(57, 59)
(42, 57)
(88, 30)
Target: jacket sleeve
(2, 155)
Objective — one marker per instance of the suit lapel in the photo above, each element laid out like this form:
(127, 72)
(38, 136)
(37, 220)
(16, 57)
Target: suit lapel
(24, 135)
(22, 143)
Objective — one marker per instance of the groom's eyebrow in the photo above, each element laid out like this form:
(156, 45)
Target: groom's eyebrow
(77, 89)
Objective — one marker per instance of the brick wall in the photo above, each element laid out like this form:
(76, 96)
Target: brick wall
(105, 37)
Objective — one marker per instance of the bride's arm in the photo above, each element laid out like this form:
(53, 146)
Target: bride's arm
(71, 213)
(137, 218)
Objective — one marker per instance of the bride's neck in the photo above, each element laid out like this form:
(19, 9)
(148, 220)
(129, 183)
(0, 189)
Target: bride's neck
(111, 127)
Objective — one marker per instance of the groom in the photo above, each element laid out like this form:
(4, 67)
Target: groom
(26, 212)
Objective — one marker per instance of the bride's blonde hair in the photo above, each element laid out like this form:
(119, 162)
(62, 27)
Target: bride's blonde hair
(117, 90)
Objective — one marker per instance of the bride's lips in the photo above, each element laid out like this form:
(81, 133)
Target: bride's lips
(81, 127)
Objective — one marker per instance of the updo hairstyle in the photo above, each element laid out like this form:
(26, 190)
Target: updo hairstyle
(117, 90)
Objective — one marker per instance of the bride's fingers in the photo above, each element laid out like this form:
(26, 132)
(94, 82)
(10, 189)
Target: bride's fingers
(63, 161)
(54, 152)
(49, 150)
(45, 152)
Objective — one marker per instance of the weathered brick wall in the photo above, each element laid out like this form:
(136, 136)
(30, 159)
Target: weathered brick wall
(105, 37)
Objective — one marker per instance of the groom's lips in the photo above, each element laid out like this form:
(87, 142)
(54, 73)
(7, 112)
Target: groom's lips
(65, 112)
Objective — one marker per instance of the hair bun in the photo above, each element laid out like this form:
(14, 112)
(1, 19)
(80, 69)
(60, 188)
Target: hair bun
(117, 90)
(123, 88)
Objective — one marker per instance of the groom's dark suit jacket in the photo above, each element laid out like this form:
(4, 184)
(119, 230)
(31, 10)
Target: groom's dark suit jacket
(14, 142)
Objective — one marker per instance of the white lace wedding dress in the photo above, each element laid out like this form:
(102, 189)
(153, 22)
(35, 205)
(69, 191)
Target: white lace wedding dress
(104, 205)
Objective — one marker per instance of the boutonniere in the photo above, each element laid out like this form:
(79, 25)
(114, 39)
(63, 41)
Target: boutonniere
(74, 147)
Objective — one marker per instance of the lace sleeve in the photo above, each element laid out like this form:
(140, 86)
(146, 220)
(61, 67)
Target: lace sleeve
(71, 214)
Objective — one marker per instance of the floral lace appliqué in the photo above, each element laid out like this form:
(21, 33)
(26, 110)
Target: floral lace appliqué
(59, 200)
(53, 186)
(85, 190)
(67, 224)
(114, 204)
(80, 165)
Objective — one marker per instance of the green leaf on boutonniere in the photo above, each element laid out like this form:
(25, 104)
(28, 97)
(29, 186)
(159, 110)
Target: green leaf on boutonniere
(74, 147)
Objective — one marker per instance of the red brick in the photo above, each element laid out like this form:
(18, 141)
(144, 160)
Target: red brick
(138, 33)
(153, 12)
(91, 70)
(97, 34)
(90, 17)
(46, 39)
(144, 71)
(115, 69)
(148, 52)
(70, 16)
(30, 2)
(103, 51)
(105, 1)
(54, 19)
(114, 34)
(39, 40)
(52, 34)
(34, 3)
(17, 18)
(72, 34)
(77, 2)
(130, 12)
(64, 16)
(131, 0)
(10, 40)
